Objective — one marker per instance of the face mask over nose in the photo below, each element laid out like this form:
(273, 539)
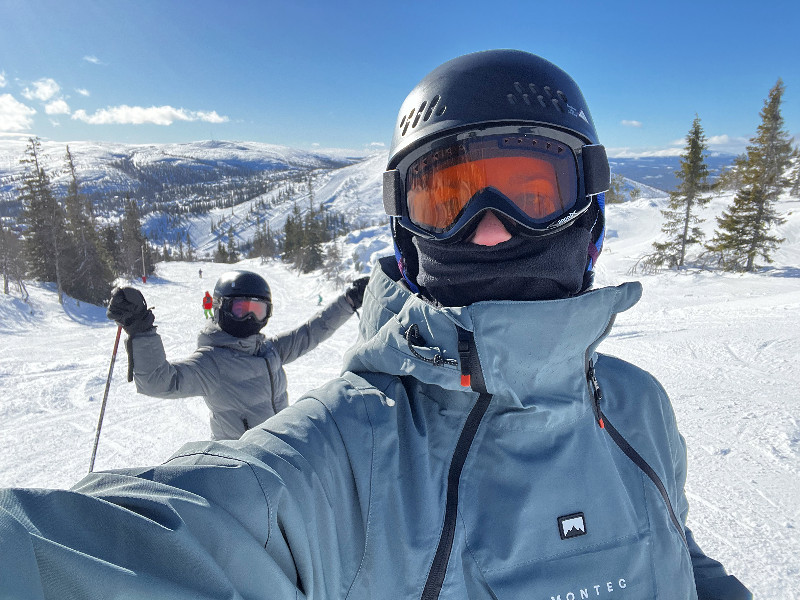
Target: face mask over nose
(522, 268)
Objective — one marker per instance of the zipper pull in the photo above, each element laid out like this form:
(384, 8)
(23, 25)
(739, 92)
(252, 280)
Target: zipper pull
(464, 343)
(597, 395)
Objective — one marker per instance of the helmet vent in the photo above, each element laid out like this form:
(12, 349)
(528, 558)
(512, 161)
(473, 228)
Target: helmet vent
(413, 118)
(419, 113)
(431, 106)
(544, 96)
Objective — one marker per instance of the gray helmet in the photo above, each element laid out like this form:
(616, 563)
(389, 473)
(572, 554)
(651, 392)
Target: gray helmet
(494, 91)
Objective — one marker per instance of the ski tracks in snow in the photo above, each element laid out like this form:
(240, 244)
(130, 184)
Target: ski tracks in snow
(724, 347)
(724, 350)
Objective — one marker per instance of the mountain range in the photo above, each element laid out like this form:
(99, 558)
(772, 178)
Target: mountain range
(206, 189)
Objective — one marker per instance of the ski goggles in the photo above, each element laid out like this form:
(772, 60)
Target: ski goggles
(542, 182)
(241, 308)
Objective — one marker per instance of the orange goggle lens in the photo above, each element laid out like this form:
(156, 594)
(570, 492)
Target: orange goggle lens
(537, 175)
(241, 307)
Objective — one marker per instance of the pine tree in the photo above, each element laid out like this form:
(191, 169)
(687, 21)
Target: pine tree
(681, 224)
(313, 236)
(743, 230)
(12, 262)
(796, 175)
(333, 264)
(189, 249)
(90, 272)
(293, 235)
(731, 177)
(221, 255)
(614, 195)
(133, 246)
(44, 219)
(231, 250)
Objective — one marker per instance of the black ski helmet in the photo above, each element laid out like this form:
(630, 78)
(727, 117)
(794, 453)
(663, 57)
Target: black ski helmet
(239, 284)
(488, 91)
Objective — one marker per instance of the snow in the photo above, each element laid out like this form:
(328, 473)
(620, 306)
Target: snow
(723, 345)
(93, 160)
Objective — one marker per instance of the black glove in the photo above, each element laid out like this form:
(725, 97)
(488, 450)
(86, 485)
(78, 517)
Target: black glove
(355, 293)
(128, 308)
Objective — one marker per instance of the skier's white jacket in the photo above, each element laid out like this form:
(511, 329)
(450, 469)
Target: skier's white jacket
(398, 481)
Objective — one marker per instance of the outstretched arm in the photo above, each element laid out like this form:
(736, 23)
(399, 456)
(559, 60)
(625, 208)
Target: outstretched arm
(293, 344)
(196, 375)
(147, 362)
(267, 517)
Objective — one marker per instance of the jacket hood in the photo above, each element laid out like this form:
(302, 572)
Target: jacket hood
(527, 350)
(213, 336)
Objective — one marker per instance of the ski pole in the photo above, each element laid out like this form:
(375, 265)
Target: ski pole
(105, 397)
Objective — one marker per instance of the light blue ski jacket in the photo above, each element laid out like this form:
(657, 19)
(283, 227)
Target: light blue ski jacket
(398, 481)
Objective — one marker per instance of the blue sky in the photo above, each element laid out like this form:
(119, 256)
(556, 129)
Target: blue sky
(333, 74)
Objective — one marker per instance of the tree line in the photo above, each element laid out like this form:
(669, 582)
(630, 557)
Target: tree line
(300, 242)
(59, 238)
(744, 233)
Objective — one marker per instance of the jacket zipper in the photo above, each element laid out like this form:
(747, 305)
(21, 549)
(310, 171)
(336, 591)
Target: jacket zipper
(433, 586)
(628, 450)
(470, 366)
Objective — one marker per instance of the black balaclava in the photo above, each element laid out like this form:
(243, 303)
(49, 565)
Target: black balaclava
(522, 268)
(240, 328)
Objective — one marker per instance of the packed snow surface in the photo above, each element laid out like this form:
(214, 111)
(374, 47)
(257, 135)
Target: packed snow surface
(725, 346)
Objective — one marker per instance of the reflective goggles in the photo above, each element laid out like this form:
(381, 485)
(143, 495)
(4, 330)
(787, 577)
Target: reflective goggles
(541, 182)
(241, 308)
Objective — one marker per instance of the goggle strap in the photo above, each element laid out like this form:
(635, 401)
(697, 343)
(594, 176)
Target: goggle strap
(596, 172)
(392, 193)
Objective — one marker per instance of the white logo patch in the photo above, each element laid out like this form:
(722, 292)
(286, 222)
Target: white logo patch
(570, 526)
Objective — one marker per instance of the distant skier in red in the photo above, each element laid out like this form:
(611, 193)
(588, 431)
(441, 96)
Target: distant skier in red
(208, 303)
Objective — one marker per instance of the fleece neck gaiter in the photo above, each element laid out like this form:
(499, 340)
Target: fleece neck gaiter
(523, 268)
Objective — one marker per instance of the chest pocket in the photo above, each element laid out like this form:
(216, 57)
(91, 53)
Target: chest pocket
(571, 522)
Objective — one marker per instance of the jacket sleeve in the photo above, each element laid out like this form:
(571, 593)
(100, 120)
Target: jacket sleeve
(169, 532)
(294, 344)
(269, 516)
(196, 375)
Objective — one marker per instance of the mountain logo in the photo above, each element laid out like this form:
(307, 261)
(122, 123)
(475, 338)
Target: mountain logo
(570, 526)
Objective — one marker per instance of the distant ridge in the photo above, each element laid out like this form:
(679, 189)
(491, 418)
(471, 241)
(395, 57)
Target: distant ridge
(659, 171)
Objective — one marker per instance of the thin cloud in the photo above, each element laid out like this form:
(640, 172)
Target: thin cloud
(43, 89)
(14, 115)
(139, 115)
(727, 143)
(82, 92)
(637, 153)
(57, 107)
(93, 59)
(3, 80)
(628, 123)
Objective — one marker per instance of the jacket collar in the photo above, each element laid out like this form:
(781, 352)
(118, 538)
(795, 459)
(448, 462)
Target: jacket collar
(527, 350)
(213, 336)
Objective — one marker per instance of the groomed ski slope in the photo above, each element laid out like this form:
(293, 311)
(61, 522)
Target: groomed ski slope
(725, 347)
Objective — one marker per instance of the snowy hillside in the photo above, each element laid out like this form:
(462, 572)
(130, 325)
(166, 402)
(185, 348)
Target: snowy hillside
(354, 191)
(725, 347)
(109, 168)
